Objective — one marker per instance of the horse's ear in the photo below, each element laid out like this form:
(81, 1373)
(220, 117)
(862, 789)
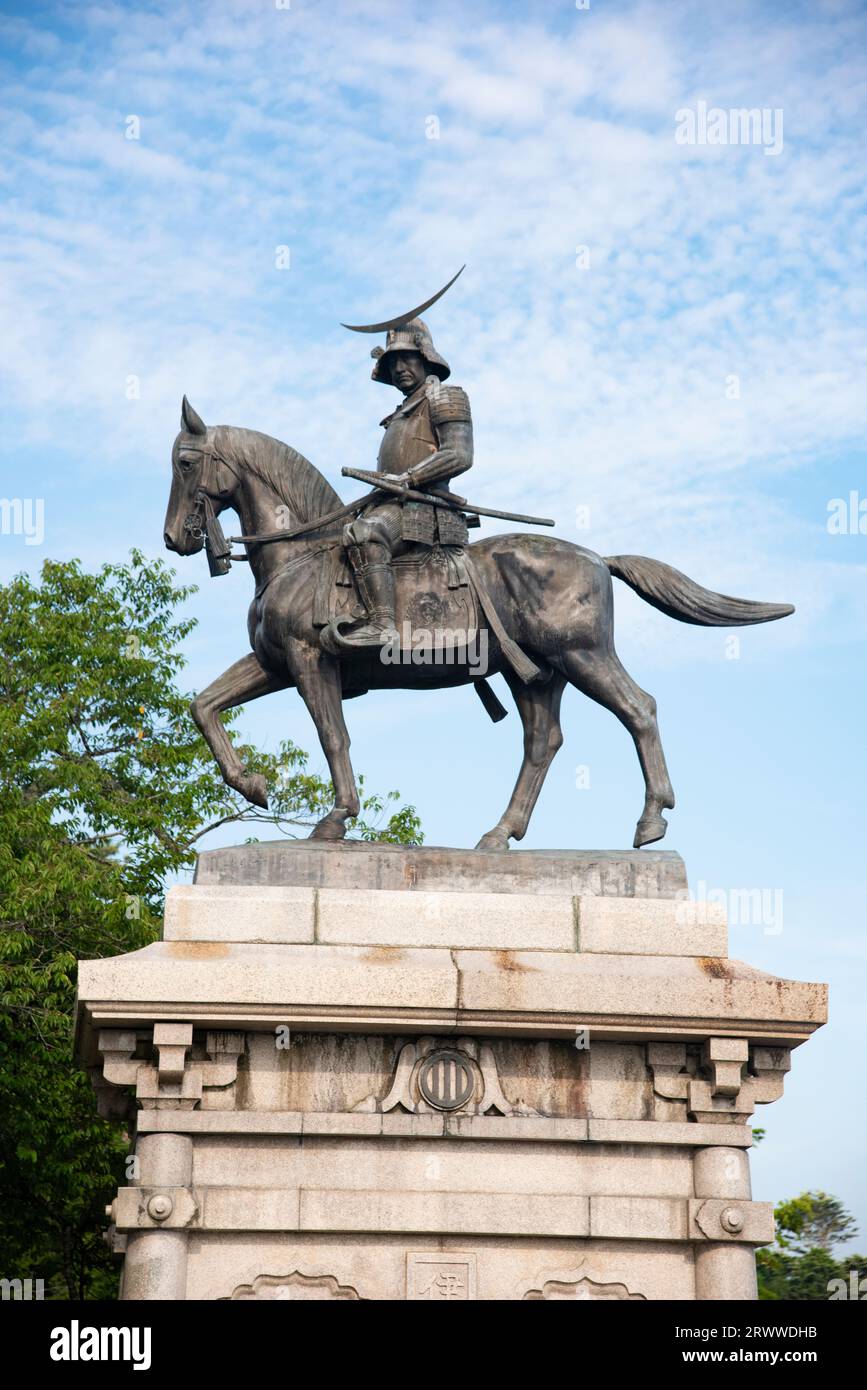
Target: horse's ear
(190, 421)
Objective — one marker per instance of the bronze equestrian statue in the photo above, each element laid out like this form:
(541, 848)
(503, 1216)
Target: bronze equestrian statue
(544, 606)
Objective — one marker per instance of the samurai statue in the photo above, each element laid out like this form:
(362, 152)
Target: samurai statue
(428, 440)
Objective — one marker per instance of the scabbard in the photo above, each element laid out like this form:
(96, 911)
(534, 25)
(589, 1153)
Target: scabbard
(451, 503)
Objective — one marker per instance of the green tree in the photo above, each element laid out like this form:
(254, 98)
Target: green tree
(801, 1264)
(106, 788)
(814, 1221)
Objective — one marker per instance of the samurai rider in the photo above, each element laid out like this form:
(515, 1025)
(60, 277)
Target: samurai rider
(428, 440)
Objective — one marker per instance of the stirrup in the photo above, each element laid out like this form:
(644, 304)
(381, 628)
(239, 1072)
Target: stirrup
(370, 636)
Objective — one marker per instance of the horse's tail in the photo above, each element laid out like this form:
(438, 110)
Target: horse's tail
(680, 597)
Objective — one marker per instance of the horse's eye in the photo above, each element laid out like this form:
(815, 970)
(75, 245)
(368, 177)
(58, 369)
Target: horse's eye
(186, 463)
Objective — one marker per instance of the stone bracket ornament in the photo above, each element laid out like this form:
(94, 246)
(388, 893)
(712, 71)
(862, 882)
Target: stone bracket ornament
(174, 1208)
(436, 1075)
(115, 1240)
(724, 1059)
(723, 1082)
(170, 1079)
(730, 1219)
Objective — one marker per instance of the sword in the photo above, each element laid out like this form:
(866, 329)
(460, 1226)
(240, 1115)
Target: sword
(448, 500)
(384, 483)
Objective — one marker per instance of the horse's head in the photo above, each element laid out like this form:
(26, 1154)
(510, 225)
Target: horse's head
(197, 472)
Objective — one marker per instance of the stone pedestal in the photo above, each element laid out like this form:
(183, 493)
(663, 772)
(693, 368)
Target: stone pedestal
(364, 1072)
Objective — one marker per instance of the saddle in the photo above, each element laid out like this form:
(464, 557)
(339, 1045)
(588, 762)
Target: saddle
(441, 605)
(432, 591)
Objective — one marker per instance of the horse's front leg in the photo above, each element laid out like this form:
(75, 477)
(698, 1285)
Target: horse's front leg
(246, 680)
(317, 676)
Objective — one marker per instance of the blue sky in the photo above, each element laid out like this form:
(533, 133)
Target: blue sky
(600, 378)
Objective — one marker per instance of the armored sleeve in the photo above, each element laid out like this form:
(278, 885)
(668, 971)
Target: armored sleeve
(447, 403)
(452, 425)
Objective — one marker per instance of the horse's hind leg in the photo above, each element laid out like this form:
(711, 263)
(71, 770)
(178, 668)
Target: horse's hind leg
(600, 675)
(539, 708)
(245, 680)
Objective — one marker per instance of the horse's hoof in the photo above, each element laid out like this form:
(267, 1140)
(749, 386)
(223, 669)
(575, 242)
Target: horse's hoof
(496, 841)
(648, 829)
(255, 789)
(328, 830)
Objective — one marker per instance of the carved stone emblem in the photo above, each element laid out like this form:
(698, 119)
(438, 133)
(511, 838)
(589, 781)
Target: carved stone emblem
(430, 1077)
(446, 1079)
(440, 1277)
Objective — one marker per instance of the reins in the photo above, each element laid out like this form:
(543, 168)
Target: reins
(204, 522)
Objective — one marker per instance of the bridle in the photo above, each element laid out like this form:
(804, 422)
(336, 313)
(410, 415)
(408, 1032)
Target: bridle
(203, 522)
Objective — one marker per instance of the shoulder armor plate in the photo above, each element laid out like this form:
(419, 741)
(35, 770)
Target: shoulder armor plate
(447, 402)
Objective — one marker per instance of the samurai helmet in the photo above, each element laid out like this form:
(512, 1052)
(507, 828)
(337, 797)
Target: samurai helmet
(406, 333)
(413, 336)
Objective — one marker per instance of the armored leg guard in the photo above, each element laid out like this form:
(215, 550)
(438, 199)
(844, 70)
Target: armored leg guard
(375, 581)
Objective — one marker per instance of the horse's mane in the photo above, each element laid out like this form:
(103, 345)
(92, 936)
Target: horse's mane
(289, 474)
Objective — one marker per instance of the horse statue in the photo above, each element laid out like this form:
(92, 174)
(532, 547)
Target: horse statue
(546, 598)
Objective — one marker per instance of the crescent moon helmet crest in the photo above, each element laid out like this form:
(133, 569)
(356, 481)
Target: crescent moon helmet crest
(402, 318)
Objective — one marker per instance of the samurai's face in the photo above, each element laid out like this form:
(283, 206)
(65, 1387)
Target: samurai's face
(407, 371)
